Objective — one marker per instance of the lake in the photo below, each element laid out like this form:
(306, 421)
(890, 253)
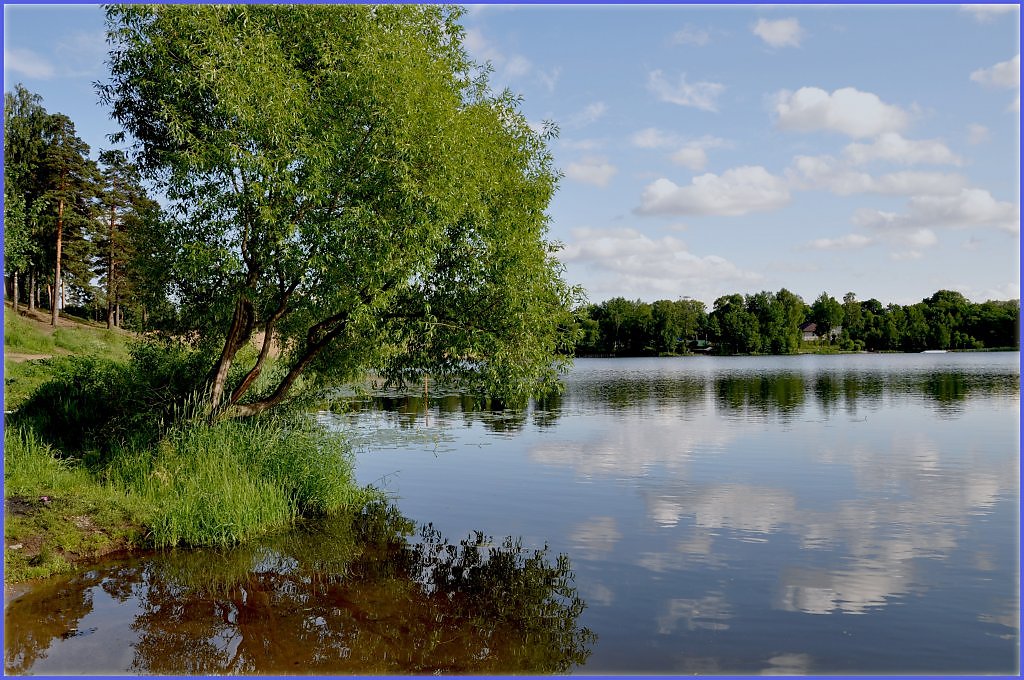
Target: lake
(850, 514)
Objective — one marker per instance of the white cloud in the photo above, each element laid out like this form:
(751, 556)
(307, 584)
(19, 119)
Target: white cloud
(693, 154)
(828, 174)
(591, 113)
(736, 191)
(893, 147)
(918, 183)
(846, 110)
(977, 134)
(972, 243)
(517, 65)
(690, 154)
(905, 255)
(1003, 74)
(691, 35)
(967, 208)
(701, 95)
(630, 262)
(825, 172)
(692, 157)
(918, 238)
(653, 138)
(82, 54)
(1007, 291)
(780, 32)
(1014, 105)
(27, 63)
(594, 170)
(988, 13)
(479, 47)
(845, 242)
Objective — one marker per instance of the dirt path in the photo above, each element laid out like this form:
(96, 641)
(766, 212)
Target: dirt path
(20, 356)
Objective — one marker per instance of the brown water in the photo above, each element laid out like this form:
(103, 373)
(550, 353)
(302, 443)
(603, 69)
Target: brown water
(351, 595)
(845, 514)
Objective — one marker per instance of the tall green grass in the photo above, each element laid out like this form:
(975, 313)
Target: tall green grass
(232, 481)
(59, 507)
(32, 467)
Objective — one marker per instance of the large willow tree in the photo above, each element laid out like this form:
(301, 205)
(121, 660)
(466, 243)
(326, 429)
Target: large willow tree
(346, 184)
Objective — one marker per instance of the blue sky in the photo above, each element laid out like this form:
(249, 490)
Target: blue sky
(717, 149)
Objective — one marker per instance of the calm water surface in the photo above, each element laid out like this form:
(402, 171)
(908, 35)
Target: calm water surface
(815, 514)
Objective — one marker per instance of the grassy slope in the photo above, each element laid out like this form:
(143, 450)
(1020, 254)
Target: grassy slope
(32, 345)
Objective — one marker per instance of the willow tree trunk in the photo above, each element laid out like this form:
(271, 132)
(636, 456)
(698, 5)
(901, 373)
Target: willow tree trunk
(56, 275)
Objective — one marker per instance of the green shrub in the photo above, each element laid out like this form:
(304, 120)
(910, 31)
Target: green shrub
(94, 404)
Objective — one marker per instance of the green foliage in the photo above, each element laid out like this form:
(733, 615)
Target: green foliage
(125, 262)
(23, 378)
(49, 187)
(739, 331)
(635, 328)
(24, 147)
(31, 466)
(828, 314)
(769, 323)
(91, 403)
(346, 182)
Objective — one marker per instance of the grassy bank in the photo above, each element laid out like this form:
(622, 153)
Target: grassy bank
(56, 513)
(30, 333)
(100, 457)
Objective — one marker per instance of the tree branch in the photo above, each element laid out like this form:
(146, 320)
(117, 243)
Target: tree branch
(268, 332)
(313, 349)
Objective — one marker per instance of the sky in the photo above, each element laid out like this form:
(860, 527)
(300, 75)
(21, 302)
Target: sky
(710, 150)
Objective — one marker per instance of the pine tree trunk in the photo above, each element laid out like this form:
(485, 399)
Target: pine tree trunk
(56, 275)
(111, 321)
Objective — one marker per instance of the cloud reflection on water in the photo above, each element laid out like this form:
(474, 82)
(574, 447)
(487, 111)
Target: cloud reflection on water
(887, 504)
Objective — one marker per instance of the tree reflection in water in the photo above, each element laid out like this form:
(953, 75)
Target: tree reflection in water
(352, 595)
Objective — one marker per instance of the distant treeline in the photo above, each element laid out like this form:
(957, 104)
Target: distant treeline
(782, 323)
